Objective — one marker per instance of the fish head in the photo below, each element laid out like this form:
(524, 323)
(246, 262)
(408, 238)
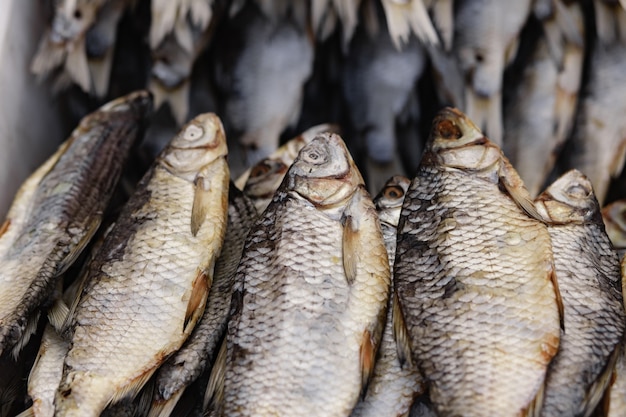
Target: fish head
(570, 199)
(324, 172)
(199, 143)
(614, 216)
(139, 102)
(456, 142)
(72, 19)
(389, 200)
(265, 178)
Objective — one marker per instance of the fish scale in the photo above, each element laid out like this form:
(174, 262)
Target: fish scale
(473, 279)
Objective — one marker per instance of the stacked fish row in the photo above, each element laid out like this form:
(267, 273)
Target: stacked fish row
(273, 64)
(296, 296)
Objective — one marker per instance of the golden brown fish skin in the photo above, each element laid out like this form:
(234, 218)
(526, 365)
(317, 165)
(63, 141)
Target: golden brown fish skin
(617, 399)
(614, 216)
(59, 208)
(589, 275)
(394, 385)
(199, 351)
(310, 293)
(148, 284)
(473, 275)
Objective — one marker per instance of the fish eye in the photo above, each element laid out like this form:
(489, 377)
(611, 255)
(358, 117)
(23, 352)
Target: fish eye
(193, 132)
(577, 191)
(313, 156)
(447, 129)
(259, 169)
(393, 192)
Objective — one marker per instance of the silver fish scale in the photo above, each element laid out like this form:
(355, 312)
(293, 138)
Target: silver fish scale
(590, 282)
(191, 360)
(296, 294)
(472, 277)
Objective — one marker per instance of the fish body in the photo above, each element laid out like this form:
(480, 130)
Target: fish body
(485, 41)
(58, 209)
(599, 137)
(474, 277)
(310, 294)
(147, 285)
(542, 110)
(199, 351)
(589, 275)
(394, 385)
(267, 77)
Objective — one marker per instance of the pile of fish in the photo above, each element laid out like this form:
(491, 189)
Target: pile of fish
(454, 293)
(543, 78)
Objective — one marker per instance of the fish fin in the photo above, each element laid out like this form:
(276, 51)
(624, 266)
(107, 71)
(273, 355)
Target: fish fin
(617, 163)
(400, 333)
(5, 227)
(29, 330)
(514, 186)
(179, 101)
(164, 408)
(201, 203)
(197, 301)
(350, 248)
(534, 408)
(559, 299)
(57, 315)
(100, 70)
(77, 67)
(29, 412)
(71, 257)
(367, 355)
(48, 57)
(214, 394)
(552, 34)
(443, 18)
(131, 389)
(599, 392)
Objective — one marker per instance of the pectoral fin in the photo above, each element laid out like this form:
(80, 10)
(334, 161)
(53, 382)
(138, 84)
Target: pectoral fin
(400, 333)
(201, 202)
(214, 394)
(197, 301)
(74, 252)
(350, 248)
(514, 186)
(367, 355)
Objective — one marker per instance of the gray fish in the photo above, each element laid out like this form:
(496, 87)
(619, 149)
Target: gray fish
(265, 83)
(474, 277)
(147, 286)
(378, 81)
(394, 385)
(600, 132)
(310, 296)
(614, 217)
(58, 209)
(200, 350)
(542, 109)
(588, 271)
(485, 41)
